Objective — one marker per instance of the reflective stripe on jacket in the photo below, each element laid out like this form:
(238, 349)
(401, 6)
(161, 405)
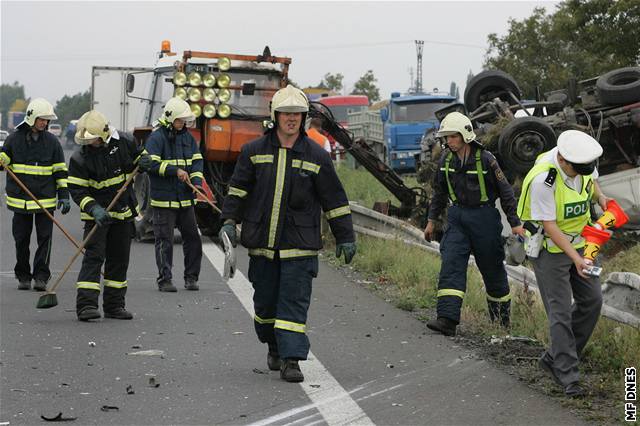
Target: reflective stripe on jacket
(39, 164)
(171, 151)
(278, 194)
(96, 175)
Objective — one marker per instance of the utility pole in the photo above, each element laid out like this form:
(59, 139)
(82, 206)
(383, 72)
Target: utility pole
(419, 47)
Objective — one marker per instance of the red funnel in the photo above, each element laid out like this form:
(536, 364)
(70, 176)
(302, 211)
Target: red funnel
(594, 238)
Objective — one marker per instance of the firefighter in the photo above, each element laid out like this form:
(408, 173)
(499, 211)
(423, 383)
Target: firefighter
(96, 172)
(176, 161)
(556, 195)
(36, 158)
(279, 186)
(472, 180)
(315, 133)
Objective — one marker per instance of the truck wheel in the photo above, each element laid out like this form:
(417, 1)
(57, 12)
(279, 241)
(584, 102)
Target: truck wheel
(487, 85)
(620, 86)
(522, 140)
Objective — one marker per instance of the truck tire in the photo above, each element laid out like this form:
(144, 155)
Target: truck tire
(620, 86)
(487, 85)
(522, 140)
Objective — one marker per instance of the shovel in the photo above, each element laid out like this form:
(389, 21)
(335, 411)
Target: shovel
(49, 298)
(33, 197)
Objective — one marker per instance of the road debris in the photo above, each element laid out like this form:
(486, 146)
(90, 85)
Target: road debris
(58, 418)
(258, 371)
(153, 383)
(130, 390)
(92, 344)
(150, 352)
(108, 408)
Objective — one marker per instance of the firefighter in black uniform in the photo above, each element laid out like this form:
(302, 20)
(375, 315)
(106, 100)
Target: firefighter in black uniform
(36, 157)
(96, 172)
(472, 180)
(279, 186)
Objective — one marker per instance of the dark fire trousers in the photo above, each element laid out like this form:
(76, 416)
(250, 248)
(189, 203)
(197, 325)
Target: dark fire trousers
(22, 227)
(281, 302)
(164, 221)
(474, 230)
(109, 245)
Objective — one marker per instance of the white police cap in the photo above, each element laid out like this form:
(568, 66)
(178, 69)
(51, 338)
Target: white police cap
(578, 147)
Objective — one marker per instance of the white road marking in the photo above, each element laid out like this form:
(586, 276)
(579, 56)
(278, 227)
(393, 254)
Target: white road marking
(329, 398)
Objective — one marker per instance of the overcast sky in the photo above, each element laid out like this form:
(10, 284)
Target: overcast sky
(50, 46)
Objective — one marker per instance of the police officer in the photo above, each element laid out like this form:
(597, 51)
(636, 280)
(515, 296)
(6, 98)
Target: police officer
(472, 180)
(96, 172)
(279, 186)
(556, 194)
(176, 161)
(36, 157)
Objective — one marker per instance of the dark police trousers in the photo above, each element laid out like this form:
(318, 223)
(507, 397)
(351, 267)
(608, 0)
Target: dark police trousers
(281, 302)
(22, 227)
(110, 245)
(164, 221)
(474, 230)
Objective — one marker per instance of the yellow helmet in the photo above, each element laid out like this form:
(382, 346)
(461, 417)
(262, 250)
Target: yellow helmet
(456, 122)
(92, 125)
(176, 108)
(39, 108)
(289, 99)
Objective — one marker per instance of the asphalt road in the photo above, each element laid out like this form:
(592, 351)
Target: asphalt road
(370, 362)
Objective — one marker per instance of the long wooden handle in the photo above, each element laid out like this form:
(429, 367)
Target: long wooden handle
(203, 195)
(113, 202)
(33, 197)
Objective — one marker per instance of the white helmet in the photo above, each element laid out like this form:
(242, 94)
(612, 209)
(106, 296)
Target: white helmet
(578, 147)
(456, 122)
(289, 99)
(92, 125)
(39, 108)
(176, 108)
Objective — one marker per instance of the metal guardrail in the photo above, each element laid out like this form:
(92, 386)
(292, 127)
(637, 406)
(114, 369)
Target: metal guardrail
(375, 224)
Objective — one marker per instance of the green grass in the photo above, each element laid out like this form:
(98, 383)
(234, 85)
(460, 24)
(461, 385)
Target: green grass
(408, 277)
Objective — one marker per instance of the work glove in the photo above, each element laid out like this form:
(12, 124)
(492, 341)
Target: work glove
(100, 215)
(349, 250)
(64, 205)
(145, 162)
(229, 228)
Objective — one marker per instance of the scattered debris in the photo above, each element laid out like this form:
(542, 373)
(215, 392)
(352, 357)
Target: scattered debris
(389, 365)
(315, 386)
(92, 344)
(57, 418)
(18, 390)
(108, 408)
(153, 383)
(367, 335)
(258, 371)
(396, 404)
(136, 347)
(237, 332)
(130, 390)
(150, 352)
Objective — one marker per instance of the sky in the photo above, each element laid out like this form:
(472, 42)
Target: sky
(50, 46)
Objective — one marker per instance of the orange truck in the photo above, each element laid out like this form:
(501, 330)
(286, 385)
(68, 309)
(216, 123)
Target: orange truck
(228, 93)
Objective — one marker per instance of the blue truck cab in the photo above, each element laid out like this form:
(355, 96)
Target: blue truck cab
(405, 120)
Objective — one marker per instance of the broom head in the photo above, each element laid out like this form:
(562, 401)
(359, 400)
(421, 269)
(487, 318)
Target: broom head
(47, 300)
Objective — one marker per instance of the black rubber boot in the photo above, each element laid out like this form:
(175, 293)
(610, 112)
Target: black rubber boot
(290, 371)
(167, 286)
(40, 285)
(88, 313)
(113, 303)
(191, 285)
(443, 325)
(500, 310)
(273, 358)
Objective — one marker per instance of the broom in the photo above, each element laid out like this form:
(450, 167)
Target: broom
(49, 298)
(33, 197)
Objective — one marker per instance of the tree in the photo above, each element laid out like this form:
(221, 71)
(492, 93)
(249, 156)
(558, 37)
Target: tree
(9, 94)
(366, 85)
(72, 107)
(332, 82)
(582, 39)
